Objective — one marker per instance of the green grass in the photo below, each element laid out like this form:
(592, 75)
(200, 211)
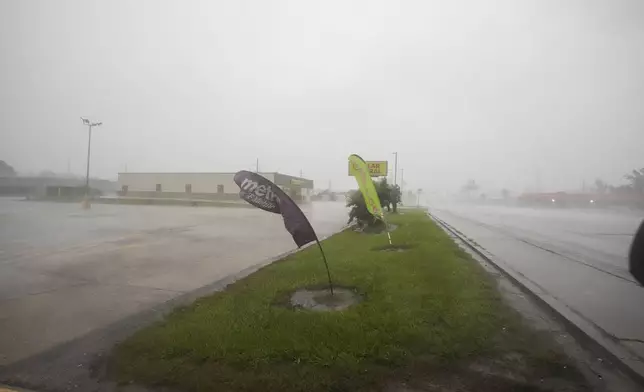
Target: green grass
(428, 310)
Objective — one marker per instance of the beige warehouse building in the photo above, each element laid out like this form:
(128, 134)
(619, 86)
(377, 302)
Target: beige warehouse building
(204, 186)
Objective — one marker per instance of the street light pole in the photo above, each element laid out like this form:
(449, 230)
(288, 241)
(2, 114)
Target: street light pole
(89, 151)
(402, 179)
(395, 168)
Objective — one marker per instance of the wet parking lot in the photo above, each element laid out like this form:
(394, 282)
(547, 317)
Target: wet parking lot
(65, 272)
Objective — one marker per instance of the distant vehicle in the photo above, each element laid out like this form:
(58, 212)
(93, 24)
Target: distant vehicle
(556, 199)
(581, 199)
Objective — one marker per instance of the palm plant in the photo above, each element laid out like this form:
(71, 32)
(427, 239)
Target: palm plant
(637, 179)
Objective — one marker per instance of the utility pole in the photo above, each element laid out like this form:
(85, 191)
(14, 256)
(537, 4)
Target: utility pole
(395, 168)
(402, 179)
(301, 173)
(257, 166)
(90, 124)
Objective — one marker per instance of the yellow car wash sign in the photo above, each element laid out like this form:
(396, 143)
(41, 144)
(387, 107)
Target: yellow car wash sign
(376, 168)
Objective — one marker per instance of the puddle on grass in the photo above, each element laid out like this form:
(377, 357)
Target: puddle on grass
(375, 230)
(323, 300)
(393, 248)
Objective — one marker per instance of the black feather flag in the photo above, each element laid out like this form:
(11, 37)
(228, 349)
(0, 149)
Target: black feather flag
(262, 193)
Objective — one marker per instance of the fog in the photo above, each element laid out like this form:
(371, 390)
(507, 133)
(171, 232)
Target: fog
(514, 94)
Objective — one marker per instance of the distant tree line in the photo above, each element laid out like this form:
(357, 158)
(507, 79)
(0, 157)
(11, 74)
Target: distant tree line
(6, 170)
(635, 184)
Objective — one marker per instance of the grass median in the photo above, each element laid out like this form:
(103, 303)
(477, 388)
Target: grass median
(429, 314)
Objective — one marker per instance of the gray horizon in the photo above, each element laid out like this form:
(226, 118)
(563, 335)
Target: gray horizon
(525, 95)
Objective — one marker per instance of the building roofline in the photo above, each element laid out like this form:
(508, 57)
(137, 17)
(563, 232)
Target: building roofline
(191, 173)
(230, 173)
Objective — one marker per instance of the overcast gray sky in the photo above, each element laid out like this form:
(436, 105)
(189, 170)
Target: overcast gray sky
(505, 92)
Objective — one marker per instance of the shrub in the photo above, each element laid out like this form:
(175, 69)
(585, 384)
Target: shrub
(387, 194)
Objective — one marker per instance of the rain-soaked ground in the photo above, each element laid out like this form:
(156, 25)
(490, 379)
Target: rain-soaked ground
(65, 272)
(574, 258)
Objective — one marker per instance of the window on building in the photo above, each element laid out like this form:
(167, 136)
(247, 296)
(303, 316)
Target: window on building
(158, 187)
(220, 189)
(124, 189)
(188, 188)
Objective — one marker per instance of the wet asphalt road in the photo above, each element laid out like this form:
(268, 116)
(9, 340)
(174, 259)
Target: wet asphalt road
(577, 258)
(65, 272)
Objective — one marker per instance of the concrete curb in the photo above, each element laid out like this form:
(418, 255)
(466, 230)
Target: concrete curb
(586, 332)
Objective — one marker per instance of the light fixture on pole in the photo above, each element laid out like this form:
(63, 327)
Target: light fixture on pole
(90, 124)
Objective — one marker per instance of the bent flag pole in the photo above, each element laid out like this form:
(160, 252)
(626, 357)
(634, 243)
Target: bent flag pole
(262, 193)
(365, 183)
